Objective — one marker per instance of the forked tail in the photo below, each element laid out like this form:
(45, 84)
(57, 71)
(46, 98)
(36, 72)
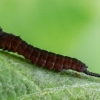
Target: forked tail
(91, 73)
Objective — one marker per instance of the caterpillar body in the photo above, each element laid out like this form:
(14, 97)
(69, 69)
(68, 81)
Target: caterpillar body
(40, 57)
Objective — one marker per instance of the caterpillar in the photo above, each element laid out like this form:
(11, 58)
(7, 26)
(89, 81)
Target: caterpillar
(40, 57)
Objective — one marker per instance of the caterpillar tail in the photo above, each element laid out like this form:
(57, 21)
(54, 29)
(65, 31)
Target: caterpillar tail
(91, 73)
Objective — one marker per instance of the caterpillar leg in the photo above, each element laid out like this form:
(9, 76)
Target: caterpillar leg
(77, 75)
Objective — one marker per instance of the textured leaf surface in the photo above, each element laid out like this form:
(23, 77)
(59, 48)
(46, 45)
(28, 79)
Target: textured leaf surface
(20, 80)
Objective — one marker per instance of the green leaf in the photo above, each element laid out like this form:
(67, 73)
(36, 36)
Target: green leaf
(20, 80)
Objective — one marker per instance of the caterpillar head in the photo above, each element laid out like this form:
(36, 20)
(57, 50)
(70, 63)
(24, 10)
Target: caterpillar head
(1, 32)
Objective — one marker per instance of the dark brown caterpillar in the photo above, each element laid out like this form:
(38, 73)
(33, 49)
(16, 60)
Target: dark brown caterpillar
(40, 57)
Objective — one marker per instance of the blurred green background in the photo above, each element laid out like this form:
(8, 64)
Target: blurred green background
(67, 27)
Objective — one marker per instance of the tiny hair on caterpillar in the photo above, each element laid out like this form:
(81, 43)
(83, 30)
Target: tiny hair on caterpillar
(40, 57)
